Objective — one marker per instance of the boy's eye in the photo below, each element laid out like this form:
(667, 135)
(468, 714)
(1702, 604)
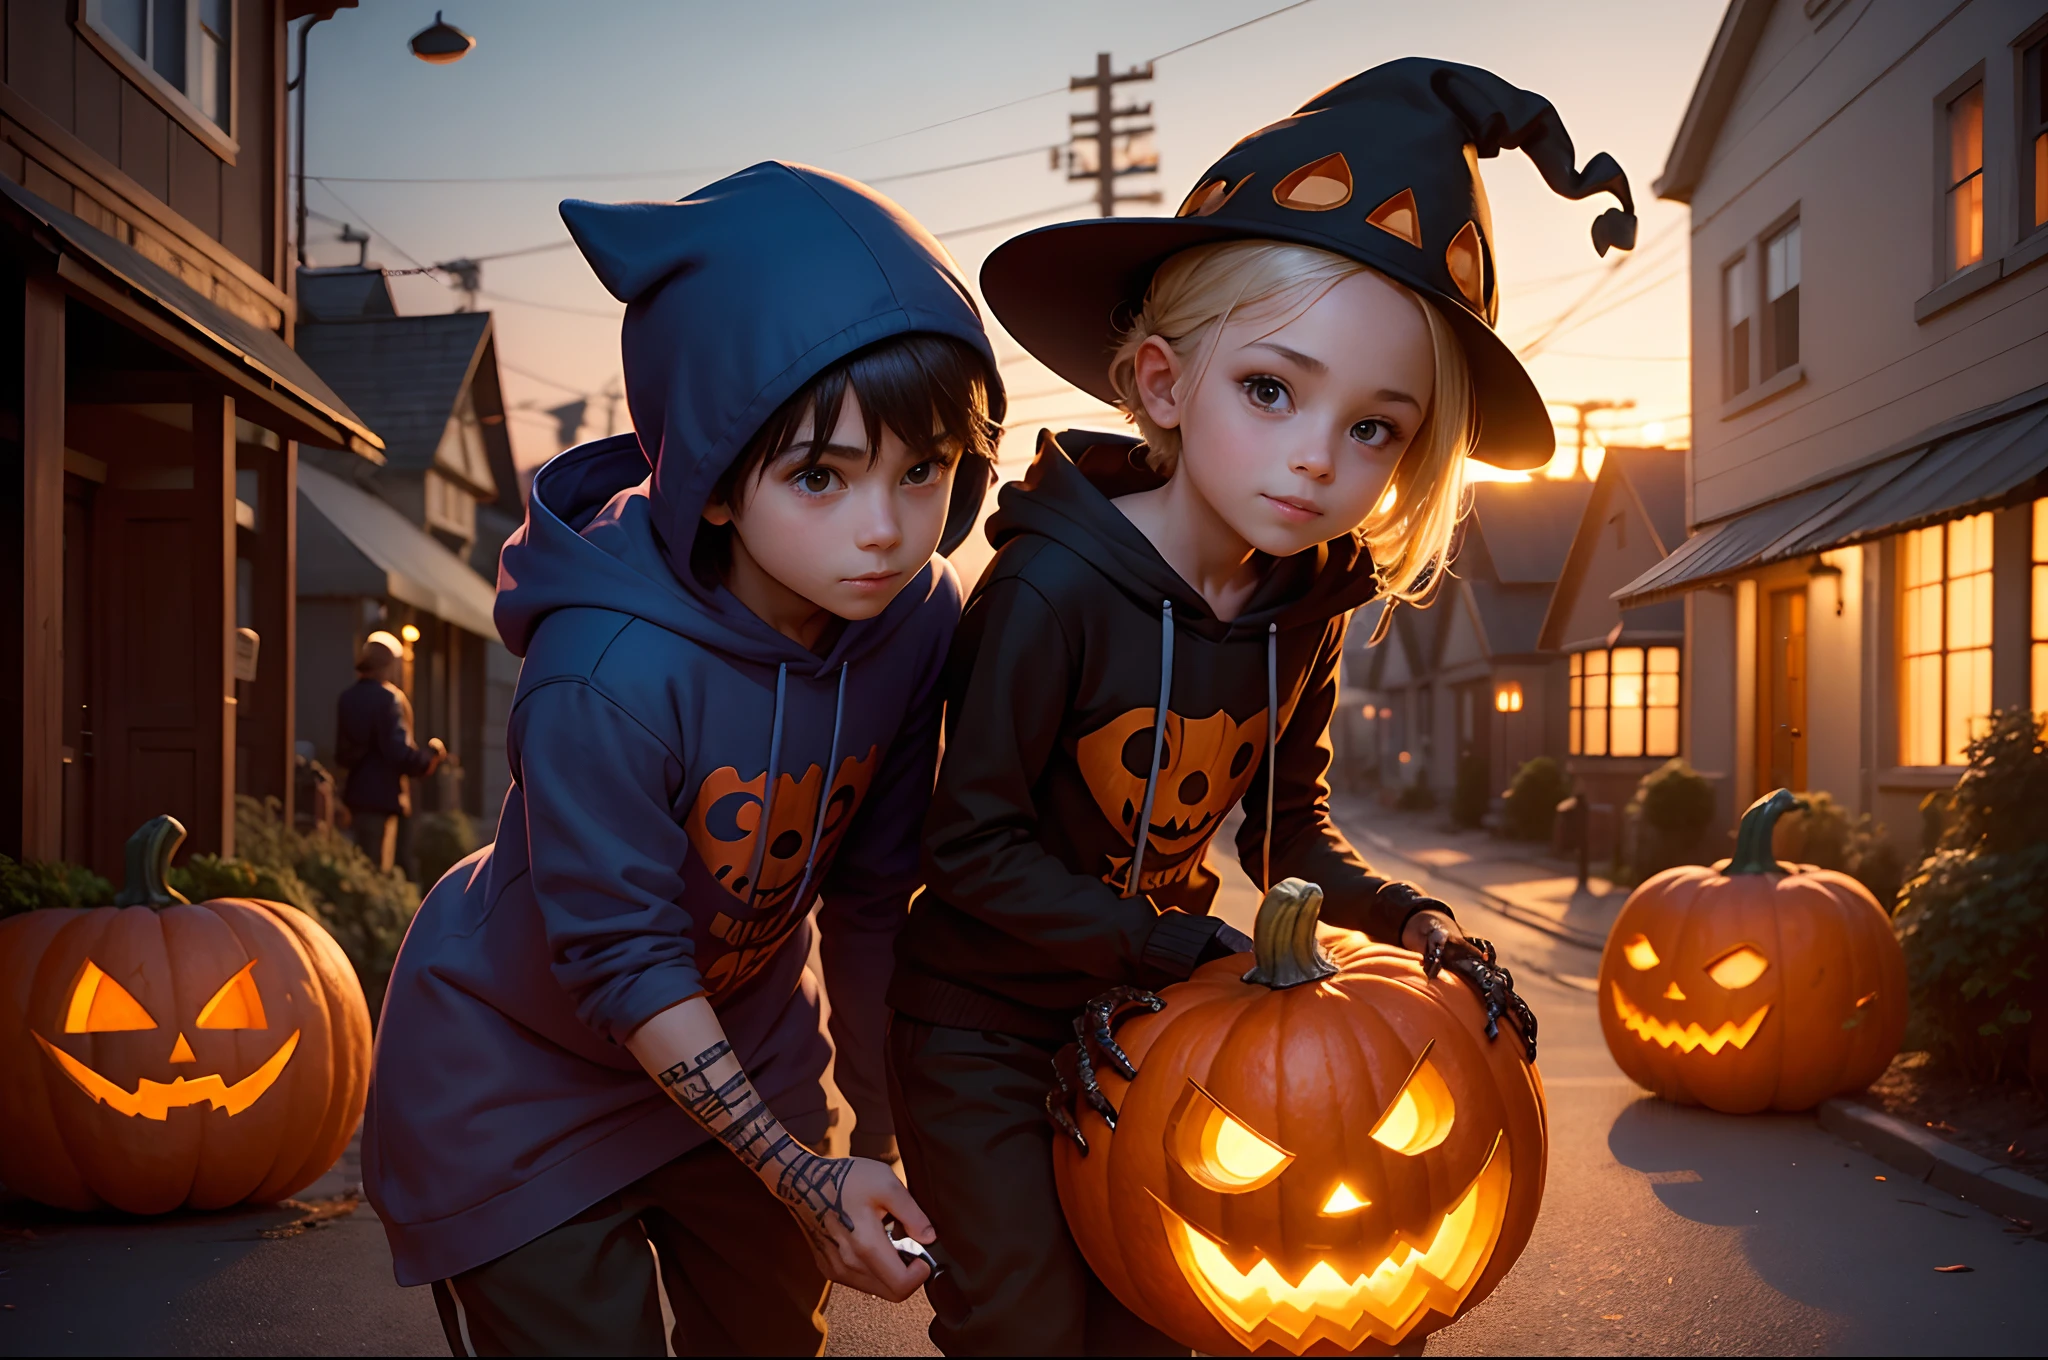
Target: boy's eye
(921, 474)
(1268, 394)
(816, 480)
(1375, 433)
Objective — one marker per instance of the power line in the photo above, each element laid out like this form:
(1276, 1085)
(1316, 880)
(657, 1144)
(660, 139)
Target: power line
(1013, 221)
(959, 165)
(368, 225)
(553, 307)
(1062, 89)
(635, 176)
(1555, 325)
(541, 378)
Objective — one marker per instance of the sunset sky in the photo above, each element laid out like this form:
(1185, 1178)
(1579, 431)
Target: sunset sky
(621, 100)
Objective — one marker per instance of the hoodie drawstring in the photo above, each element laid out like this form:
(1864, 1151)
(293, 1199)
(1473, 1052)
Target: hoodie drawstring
(1272, 746)
(1144, 827)
(825, 793)
(767, 822)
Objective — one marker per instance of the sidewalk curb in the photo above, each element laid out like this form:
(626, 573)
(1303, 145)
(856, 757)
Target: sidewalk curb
(1520, 914)
(1936, 1161)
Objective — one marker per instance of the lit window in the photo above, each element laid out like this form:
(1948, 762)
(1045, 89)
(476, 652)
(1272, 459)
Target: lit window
(1966, 178)
(1735, 303)
(2040, 607)
(1624, 702)
(185, 43)
(2034, 136)
(1781, 301)
(1945, 636)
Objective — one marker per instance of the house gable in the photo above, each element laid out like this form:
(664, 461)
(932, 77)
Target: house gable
(1464, 642)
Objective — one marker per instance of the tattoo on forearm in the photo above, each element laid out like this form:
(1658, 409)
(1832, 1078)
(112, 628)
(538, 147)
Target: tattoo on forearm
(734, 1113)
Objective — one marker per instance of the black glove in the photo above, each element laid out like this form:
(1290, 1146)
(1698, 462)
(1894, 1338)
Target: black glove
(1227, 940)
(1472, 960)
(1073, 1067)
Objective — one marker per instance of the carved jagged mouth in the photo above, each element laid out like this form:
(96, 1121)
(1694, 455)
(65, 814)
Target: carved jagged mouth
(1685, 1038)
(1383, 1304)
(1178, 830)
(156, 1099)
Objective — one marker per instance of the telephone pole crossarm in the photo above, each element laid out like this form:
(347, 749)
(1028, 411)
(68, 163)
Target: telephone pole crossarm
(1102, 128)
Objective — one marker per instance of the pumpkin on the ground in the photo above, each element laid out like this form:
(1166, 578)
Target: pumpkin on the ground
(159, 1054)
(1324, 1153)
(1754, 984)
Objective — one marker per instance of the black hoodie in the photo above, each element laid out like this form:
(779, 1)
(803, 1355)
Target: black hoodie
(1078, 635)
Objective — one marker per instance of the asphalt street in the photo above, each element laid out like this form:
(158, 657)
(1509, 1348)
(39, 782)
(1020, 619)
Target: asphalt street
(1663, 1230)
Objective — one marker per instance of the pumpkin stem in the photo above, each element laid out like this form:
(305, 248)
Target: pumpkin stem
(1753, 838)
(149, 865)
(1284, 937)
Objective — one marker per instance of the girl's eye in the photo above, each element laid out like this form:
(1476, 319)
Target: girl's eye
(1373, 433)
(1268, 394)
(817, 481)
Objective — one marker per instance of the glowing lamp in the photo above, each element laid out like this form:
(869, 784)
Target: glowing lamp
(1201, 1217)
(1753, 984)
(441, 42)
(410, 634)
(1508, 698)
(1370, 712)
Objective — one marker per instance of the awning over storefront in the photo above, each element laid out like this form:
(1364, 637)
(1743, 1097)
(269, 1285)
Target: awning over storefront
(255, 360)
(351, 543)
(1991, 457)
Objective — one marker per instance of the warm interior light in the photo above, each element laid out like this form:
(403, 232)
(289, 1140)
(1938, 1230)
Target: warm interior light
(1674, 992)
(237, 1005)
(1382, 1303)
(409, 633)
(1688, 1037)
(1738, 968)
(1343, 1201)
(1639, 953)
(1421, 1116)
(1508, 698)
(1219, 1150)
(100, 1004)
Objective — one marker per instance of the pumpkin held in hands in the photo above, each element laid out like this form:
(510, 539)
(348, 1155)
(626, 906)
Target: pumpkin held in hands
(158, 1053)
(1323, 1152)
(1753, 985)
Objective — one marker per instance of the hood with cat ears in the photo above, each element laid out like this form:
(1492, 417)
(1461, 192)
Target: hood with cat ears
(1383, 169)
(742, 293)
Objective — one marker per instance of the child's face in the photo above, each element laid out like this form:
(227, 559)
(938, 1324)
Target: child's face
(1292, 434)
(845, 533)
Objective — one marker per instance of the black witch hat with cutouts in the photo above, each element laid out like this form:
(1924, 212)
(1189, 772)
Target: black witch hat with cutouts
(1383, 169)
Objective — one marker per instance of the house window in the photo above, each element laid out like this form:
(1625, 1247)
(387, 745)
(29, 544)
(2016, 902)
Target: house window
(2034, 135)
(1735, 303)
(2040, 607)
(1945, 632)
(1965, 178)
(187, 45)
(1781, 301)
(1624, 702)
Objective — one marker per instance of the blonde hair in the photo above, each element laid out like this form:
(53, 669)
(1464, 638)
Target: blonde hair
(1196, 292)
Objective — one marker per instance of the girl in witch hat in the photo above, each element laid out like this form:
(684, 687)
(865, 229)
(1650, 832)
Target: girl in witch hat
(1307, 349)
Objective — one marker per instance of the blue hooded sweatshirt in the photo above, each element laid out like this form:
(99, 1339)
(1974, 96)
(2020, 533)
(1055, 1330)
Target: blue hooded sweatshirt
(657, 728)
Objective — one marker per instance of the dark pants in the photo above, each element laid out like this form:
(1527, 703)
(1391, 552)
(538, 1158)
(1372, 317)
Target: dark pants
(376, 834)
(977, 1152)
(735, 1268)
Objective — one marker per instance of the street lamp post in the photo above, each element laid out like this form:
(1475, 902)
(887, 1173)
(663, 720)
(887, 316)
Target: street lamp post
(438, 44)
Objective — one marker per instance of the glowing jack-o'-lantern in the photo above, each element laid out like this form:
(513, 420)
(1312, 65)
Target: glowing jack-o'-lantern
(1752, 985)
(161, 1053)
(1323, 1153)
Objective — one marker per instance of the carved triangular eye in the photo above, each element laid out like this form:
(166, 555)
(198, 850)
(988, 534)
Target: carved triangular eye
(1461, 257)
(237, 1005)
(1738, 968)
(99, 1004)
(1316, 187)
(1421, 1115)
(1639, 953)
(1398, 216)
(1220, 1150)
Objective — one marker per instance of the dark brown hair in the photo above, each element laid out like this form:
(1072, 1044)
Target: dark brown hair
(908, 384)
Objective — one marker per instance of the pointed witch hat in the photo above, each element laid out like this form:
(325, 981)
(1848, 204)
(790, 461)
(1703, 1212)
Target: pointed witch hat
(1382, 169)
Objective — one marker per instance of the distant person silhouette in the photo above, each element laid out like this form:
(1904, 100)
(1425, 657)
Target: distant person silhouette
(373, 739)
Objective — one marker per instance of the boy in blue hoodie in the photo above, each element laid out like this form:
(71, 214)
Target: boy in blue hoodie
(726, 711)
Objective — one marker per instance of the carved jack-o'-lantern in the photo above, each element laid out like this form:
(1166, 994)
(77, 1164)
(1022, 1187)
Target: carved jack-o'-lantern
(1752, 985)
(724, 825)
(1325, 1152)
(1206, 766)
(163, 1053)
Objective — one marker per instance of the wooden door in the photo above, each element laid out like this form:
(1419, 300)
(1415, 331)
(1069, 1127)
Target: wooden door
(1784, 726)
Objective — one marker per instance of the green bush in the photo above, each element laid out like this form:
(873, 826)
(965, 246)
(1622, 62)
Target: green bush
(1531, 804)
(1470, 794)
(439, 841)
(1827, 836)
(1671, 810)
(1974, 920)
(35, 884)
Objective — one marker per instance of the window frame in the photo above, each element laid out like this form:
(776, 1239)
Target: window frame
(2030, 131)
(1770, 363)
(1943, 589)
(220, 139)
(1581, 679)
(1737, 275)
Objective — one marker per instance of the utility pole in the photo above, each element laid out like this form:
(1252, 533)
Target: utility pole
(1106, 171)
(1585, 409)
